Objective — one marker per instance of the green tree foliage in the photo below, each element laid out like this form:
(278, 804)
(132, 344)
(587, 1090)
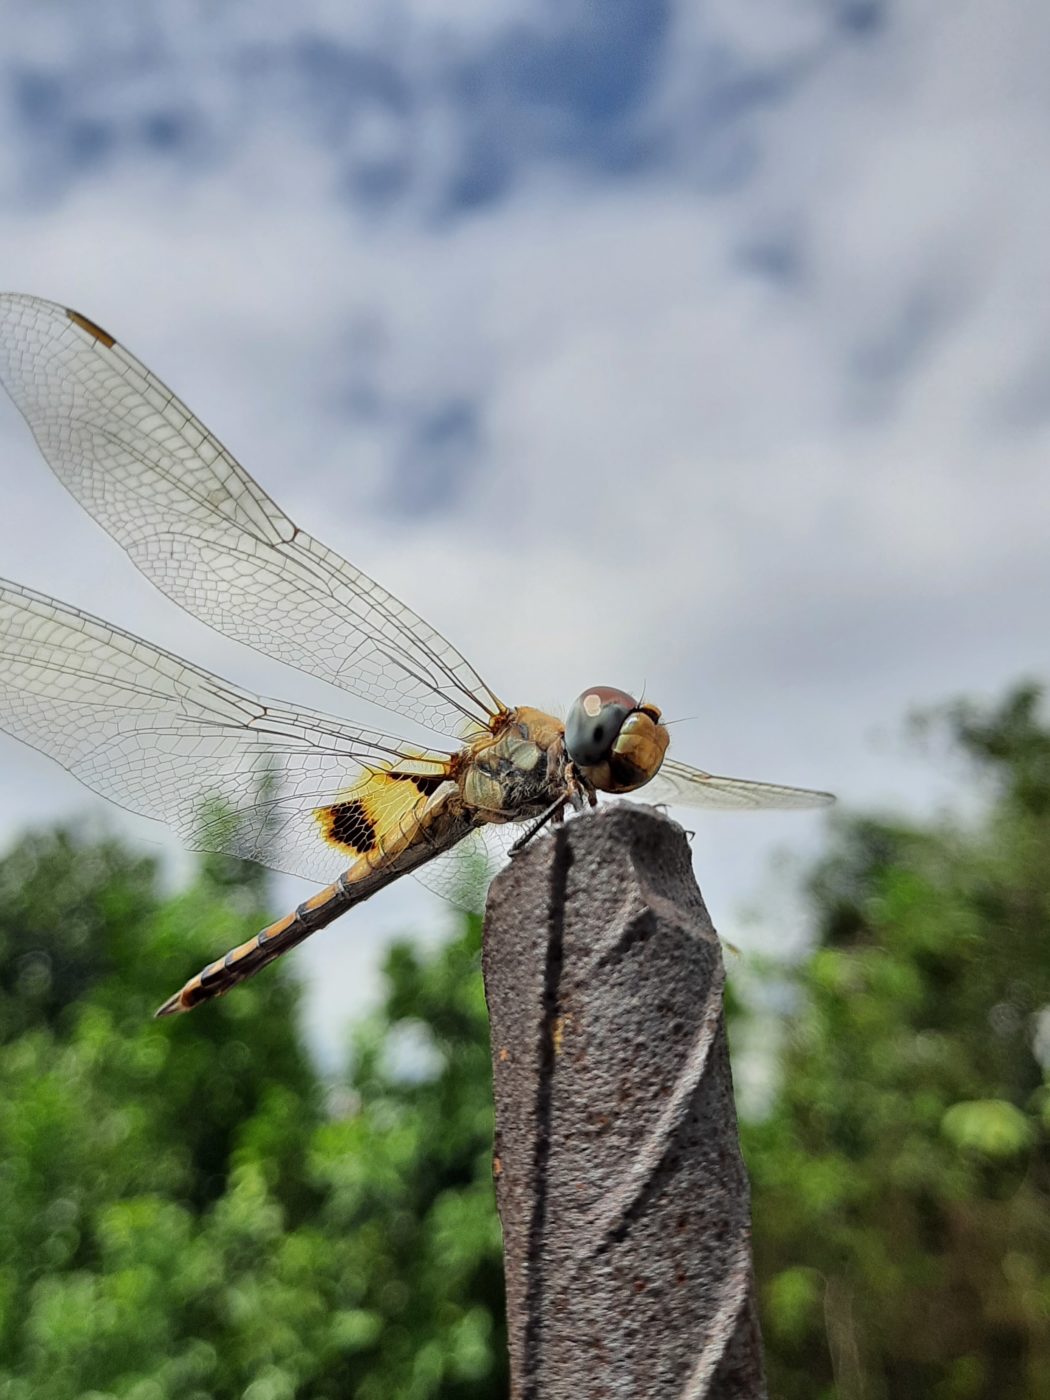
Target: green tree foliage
(188, 1213)
(902, 1180)
(408, 1185)
(181, 1215)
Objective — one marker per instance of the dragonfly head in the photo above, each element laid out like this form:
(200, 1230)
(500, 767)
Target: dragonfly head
(616, 743)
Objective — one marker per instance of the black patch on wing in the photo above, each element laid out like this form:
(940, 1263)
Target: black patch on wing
(427, 783)
(348, 824)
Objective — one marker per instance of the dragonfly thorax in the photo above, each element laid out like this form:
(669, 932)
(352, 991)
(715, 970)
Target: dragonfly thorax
(520, 771)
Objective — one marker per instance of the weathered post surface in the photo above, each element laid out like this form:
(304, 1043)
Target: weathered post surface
(623, 1196)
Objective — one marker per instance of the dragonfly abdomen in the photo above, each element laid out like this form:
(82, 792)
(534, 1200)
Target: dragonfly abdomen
(438, 827)
(248, 958)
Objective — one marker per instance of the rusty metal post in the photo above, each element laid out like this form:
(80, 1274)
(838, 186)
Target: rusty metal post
(622, 1193)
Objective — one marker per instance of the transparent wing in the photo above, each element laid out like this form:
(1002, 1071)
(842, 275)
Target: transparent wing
(224, 769)
(199, 527)
(463, 874)
(678, 784)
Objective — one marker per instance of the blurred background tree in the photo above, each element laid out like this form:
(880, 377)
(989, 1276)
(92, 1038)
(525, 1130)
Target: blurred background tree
(902, 1178)
(184, 1212)
(188, 1213)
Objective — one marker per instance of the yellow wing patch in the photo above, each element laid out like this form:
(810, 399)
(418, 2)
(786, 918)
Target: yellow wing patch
(377, 808)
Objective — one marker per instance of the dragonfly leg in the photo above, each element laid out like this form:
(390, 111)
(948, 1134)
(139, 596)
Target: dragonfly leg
(556, 811)
(578, 788)
(578, 793)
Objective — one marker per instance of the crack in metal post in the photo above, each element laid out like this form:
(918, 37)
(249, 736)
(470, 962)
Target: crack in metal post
(534, 1292)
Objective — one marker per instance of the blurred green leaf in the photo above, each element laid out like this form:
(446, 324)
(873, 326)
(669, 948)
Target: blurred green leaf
(990, 1126)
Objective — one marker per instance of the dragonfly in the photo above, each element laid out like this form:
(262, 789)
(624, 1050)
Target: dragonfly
(304, 792)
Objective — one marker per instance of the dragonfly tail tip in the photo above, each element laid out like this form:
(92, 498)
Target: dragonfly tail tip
(171, 1007)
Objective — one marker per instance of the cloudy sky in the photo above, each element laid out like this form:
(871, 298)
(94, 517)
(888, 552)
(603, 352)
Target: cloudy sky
(705, 346)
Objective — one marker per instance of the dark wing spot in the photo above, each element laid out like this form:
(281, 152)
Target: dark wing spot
(427, 784)
(348, 825)
(92, 330)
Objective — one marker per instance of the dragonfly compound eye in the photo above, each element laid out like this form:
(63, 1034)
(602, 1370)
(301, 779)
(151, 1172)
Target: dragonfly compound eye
(594, 724)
